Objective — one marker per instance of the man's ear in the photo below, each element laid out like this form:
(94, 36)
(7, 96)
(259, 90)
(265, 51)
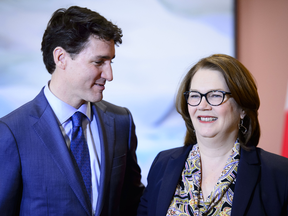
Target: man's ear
(60, 57)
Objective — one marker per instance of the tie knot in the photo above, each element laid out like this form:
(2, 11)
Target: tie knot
(77, 118)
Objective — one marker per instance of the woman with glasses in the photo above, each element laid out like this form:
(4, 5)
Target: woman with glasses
(219, 170)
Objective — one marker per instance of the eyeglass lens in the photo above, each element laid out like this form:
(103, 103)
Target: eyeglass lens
(213, 98)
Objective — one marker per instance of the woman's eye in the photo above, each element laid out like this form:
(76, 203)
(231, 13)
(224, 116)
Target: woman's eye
(194, 96)
(215, 95)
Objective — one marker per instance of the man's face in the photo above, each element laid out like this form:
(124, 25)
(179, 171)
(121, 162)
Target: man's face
(88, 71)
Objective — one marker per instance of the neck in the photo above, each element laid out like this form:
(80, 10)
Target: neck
(59, 89)
(215, 154)
(216, 147)
(213, 160)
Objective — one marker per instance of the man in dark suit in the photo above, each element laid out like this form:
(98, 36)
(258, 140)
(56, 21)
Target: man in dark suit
(51, 165)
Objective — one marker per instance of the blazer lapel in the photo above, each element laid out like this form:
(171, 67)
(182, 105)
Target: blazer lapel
(247, 176)
(46, 127)
(170, 180)
(105, 124)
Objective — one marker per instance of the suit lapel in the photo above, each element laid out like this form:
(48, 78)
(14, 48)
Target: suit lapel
(170, 179)
(247, 176)
(46, 127)
(105, 124)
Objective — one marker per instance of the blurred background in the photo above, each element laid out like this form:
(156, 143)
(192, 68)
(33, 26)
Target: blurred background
(162, 40)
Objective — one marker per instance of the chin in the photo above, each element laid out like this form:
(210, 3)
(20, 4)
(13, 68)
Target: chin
(207, 134)
(95, 99)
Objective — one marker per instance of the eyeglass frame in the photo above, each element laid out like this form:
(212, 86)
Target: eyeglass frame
(205, 95)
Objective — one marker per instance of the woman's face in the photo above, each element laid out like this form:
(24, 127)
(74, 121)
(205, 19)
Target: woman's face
(214, 121)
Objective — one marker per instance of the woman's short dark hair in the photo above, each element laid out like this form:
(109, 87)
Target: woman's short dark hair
(244, 91)
(71, 28)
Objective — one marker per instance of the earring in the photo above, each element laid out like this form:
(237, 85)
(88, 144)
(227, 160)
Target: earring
(242, 128)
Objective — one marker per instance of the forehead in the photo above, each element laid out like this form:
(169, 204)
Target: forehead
(97, 46)
(208, 79)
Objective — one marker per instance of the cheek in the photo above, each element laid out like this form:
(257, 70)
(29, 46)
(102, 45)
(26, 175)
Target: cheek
(94, 73)
(191, 111)
(231, 115)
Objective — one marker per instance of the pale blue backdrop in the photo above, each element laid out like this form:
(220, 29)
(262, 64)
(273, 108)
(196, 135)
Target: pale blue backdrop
(162, 40)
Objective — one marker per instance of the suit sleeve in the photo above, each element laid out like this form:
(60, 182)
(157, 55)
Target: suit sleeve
(10, 173)
(133, 188)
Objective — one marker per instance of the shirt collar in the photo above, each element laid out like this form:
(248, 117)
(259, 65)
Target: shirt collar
(64, 111)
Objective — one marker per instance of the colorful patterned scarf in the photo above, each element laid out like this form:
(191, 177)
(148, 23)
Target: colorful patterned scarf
(188, 198)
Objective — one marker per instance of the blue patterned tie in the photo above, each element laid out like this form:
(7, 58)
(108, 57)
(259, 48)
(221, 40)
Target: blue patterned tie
(79, 149)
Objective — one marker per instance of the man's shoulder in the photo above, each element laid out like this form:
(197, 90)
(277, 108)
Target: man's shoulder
(111, 108)
(25, 109)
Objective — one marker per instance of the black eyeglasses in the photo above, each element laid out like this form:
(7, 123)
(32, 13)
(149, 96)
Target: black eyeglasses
(214, 98)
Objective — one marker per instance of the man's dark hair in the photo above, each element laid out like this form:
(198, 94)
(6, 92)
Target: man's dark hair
(71, 28)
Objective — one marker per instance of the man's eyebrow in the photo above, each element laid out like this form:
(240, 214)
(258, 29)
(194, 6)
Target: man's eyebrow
(106, 57)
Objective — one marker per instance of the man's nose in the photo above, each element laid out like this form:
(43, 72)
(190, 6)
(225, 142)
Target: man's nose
(107, 72)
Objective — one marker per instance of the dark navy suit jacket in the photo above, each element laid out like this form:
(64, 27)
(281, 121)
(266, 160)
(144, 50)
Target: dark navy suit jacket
(261, 185)
(37, 175)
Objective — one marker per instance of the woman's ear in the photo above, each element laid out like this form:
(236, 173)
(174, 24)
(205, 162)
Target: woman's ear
(60, 55)
(242, 114)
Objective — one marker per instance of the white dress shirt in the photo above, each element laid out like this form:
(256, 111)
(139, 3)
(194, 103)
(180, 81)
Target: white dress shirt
(63, 113)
